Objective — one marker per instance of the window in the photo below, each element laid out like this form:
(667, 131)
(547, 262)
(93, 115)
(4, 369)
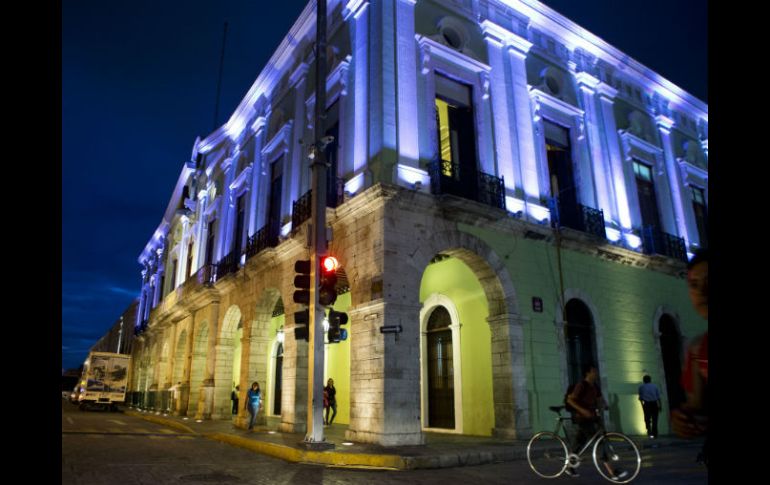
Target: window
(274, 200)
(701, 215)
(456, 130)
(189, 259)
(239, 222)
(579, 335)
(648, 205)
(174, 265)
(561, 175)
(210, 242)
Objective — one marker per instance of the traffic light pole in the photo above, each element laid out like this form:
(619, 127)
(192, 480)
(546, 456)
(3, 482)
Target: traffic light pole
(315, 432)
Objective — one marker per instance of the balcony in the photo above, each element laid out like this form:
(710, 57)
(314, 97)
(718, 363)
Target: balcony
(482, 187)
(302, 208)
(579, 217)
(260, 241)
(227, 265)
(655, 241)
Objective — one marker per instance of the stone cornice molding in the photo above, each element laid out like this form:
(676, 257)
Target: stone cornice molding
(606, 91)
(693, 175)
(336, 82)
(240, 184)
(664, 123)
(500, 35)
(587, 80)
(431, 51)
(635, 147)
(299, 74)
(540, 98)
(280, 142)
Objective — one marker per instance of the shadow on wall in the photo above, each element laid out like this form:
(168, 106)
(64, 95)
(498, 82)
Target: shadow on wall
(615, 421)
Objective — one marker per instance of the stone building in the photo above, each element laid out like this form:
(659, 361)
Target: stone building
(120, 336)
(514, 193)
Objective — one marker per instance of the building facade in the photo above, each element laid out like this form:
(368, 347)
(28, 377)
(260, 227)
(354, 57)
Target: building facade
(514, 194)
(120, 337)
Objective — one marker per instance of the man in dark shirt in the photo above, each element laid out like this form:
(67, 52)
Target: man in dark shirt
(588, 402)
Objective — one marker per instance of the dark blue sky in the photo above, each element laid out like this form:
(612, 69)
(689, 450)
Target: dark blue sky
(139, 83)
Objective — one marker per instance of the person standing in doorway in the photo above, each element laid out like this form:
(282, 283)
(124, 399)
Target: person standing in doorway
(649, 396)
(330, 396)
(234, 398)
(253, 402)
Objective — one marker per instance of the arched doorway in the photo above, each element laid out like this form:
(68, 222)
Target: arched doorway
(580, 340)
(440, 370)
(671, 352)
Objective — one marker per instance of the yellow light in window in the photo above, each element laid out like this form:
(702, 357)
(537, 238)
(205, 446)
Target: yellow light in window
(444, 144)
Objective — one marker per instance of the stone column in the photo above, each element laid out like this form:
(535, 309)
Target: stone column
(256, 172)
(617, 183)
(385, 375)
(406, 79)
(206, 399)
(674, 187)
(255, 368)
(587, 84)
(295, 375)
(356, 13)
(509, 380)
(297, 172)
(184, 388)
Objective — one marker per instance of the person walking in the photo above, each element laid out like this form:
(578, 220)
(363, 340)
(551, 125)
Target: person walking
(649, 396)
(234, 398)
(253, 402)
(330, 401)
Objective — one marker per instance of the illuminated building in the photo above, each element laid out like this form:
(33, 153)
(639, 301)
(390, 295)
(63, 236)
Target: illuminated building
(464, 134)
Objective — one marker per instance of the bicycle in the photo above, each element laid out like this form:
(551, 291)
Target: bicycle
(615, 455)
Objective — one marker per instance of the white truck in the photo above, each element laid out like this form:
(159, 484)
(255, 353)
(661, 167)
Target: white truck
(104, 380)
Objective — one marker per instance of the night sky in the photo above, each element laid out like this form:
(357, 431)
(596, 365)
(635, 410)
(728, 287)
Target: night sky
(139, 83)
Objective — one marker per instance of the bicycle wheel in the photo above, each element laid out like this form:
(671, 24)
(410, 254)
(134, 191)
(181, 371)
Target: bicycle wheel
(617, 458)
(547, 454)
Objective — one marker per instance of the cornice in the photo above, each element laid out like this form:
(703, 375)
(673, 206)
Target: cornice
(503, 36)
(430, 49)
(540, 97)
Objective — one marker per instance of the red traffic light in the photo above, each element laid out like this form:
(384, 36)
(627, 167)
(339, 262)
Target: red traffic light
(329, 264)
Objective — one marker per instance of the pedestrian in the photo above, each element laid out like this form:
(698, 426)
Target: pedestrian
(175, 391)
(586, 398)
(330, 401)
(234, 398)
(253, 402)
(691, 419)
(649, 396)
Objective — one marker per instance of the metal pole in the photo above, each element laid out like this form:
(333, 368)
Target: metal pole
(315, 432)
(120, 333)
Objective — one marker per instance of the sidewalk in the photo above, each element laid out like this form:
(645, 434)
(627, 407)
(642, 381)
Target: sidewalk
(440, 450)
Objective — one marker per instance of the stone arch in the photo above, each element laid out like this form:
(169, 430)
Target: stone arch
(510, 393)
(223, 370)
(668, 372)
(180, 357)
(198, 367)
(256, 363)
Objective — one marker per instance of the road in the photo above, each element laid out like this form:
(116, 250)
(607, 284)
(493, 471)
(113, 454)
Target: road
(112, 448)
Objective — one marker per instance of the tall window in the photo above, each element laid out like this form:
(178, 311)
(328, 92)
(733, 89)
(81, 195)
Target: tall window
(189, 259)
(701, 216)
(456, 131)
(645, 188)
(174, 265)
(274, 202)
(239, 222)
(210, 237)
(561, 174)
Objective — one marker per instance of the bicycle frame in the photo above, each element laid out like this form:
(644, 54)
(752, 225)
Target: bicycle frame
(561, 426)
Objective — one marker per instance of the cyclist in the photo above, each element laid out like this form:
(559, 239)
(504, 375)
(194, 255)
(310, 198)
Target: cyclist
(587, 400)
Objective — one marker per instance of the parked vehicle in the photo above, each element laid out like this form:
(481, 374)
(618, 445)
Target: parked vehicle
(104, 381)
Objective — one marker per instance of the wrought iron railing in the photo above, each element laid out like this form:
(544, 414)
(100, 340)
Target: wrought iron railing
(487, 189)
(579, 217)
(206, 275)
(260, 241)
(302, 209)
(227, 265)
(655, 241)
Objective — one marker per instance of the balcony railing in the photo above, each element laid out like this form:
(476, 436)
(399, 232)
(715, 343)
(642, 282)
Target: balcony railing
(260, 241)
(655, 241)
(579, 217)
(483, 187)
(227, 265)
(302, 208)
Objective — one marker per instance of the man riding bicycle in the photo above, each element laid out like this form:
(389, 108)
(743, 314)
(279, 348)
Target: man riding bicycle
(587, 400)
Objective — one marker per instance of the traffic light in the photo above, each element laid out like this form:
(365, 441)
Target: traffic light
(327, 288)
(302, 295)
(337, 320)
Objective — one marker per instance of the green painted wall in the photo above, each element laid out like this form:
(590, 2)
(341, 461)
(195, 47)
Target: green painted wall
(337, 365)
(237, 356)
(452, 278)
(623, 301)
